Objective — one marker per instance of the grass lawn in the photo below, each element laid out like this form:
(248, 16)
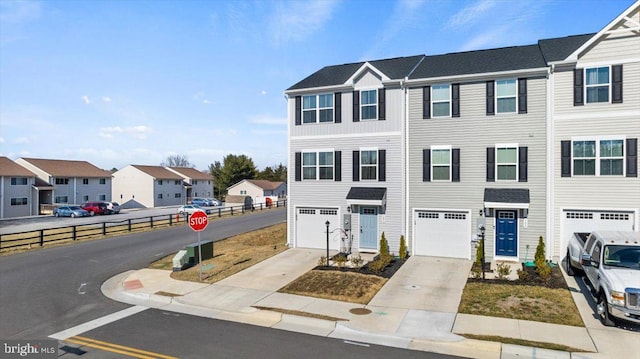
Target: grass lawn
(233, 254)
(336, 285)
(526, 302)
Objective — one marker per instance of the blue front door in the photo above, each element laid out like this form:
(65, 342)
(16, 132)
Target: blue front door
(507, 233)
(369, 228)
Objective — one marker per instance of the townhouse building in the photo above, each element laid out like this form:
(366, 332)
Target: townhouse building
(526, 141)
(138, 186)
(18, 198)
(68, 181)
(196, 183)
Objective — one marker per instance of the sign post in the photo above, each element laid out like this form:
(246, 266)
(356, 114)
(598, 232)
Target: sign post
(198, 222)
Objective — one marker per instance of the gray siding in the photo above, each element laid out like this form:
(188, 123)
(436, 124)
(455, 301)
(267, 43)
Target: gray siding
(472, 133)
(9, 191)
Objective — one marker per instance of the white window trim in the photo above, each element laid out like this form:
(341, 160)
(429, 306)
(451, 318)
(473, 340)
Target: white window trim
(500, 97)
(374, 149)
(317, 165)
(368, 105)
(597, 140)
(432, 164)
(609, 84)
(450, 100)
(317, 109)
(503, 146)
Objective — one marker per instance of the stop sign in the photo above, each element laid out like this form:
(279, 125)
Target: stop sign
(198, 221)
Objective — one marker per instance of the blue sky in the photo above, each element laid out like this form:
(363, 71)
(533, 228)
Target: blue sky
(118, 82)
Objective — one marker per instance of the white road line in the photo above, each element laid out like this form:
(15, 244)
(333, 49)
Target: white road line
(356, 343)
(79, 329)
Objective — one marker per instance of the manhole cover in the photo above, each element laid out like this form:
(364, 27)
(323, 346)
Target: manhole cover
(360, 311)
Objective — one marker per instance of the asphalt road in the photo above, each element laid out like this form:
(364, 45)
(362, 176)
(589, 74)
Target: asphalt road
(45, 291)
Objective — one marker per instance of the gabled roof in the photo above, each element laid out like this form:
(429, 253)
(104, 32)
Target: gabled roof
(192, 173)
(558, 49)
(266, 185)
(395, 69)
(158, 172)
(10, 168)
(67, 168)
(482, 61)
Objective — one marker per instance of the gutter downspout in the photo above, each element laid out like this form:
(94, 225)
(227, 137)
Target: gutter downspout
(550, 146)
(290, 228)
(405, 162)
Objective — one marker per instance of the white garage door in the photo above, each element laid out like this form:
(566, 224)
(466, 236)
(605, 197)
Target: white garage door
(587, 221)
(311, 230)
(442, 233)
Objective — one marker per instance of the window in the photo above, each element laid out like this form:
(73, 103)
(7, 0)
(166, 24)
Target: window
(369, 165)
(61, 199)
(317, 165)
(102, 197)
(243, 191)
(103, 181)
(507, 163)
(177, 195)
(506, 92)
(62, 181)
(317, 108)
(369, 105)
(441, 100)
(597, 84)
(18, 181)
(159, 195)
(85, 181)
(160, 182)
(195, 182)
(19, 201)
(85, 198)
(440, 164)
(598, 158)
(178, 182)
(611, 157)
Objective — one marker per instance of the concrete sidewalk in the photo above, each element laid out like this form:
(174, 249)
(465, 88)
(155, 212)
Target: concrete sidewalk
(416, 309)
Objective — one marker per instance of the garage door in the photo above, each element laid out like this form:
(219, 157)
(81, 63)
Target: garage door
(442, 233)
(593, 220)
(311, 230)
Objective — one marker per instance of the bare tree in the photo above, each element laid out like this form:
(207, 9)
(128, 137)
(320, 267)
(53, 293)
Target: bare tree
(176, 161)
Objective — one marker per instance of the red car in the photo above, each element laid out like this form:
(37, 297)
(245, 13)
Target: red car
(95, 208)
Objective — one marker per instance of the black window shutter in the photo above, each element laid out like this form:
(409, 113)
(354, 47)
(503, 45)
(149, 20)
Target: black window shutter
(490, 98)
(356, 106)
(632, 157)
(382, 165)
(356, 166)
(523, 154)
(337, 107)
(337, 163)
(578, 87)
(616, 89)
(382, 109)
(426, 102)
(298, 166)
(565, 155)
(298, 110)
(455, 165)
(426, 165)
(455, 100)
(522, 95)
(491, 164)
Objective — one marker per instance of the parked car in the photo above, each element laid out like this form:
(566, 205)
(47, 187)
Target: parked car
(214, 202)
(199, 201)
(113, 207)
(70, 211)
(191, 208)
(95, 208)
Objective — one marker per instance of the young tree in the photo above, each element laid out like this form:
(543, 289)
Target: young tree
(214, 170)
(233, 170)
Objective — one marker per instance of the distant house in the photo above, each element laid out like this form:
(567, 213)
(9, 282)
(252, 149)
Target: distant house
(197, 184)
(65, 181)
(258, 189)
(18, 197)
(137, 186)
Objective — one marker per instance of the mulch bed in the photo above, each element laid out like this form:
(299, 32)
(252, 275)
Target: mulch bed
(532, 278)
(387, 272)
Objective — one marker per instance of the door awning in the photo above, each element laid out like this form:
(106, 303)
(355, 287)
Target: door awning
(506, 198)
(372, 196)
(41, 185)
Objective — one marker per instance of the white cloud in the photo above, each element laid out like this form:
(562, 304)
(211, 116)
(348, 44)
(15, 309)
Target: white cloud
(470, 14)
(206, 102)
(202, 97)
(268, 120)
(297, 20)
(86, 100)
(1, 140)
(106, 98)
(263, 92)
(139, 132)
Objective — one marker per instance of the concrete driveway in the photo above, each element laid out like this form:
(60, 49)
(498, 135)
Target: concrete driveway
(426, 283)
